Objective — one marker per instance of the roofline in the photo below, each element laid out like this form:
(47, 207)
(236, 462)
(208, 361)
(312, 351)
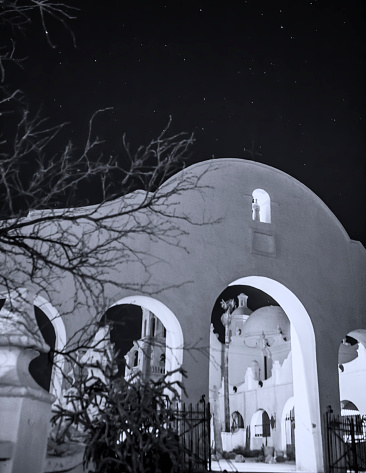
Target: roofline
(277, 171)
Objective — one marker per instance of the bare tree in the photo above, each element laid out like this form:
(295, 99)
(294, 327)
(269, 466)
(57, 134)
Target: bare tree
(52, 226)
(52, 231)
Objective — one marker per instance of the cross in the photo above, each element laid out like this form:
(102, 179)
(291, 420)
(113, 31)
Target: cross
(252, 152)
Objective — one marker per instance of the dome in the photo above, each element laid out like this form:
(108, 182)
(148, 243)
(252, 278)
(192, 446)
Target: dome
(239, 311)
(270, 320)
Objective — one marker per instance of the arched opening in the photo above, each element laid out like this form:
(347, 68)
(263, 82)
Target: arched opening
(256, 340)
(237, 421)
(261, 206)
(139, 352)
(308, 441)
(58, 325)
(136, 358)
(166, 326)
(54, 317)
(352, 373)
(300, 366)
(349, 409)
(260, 428)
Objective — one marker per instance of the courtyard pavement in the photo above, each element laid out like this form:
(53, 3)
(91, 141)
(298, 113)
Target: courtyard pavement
(252, 467)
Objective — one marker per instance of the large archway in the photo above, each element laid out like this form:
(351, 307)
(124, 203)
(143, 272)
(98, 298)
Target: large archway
(309, 452)
(174, 334)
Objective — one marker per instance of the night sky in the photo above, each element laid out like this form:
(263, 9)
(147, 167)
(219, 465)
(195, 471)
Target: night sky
(287, 78)
(283, 79)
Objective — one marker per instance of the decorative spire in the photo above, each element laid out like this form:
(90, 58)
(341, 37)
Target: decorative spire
(243, 300)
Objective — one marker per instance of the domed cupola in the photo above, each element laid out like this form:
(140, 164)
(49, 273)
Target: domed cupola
(240, 315)
(266, 323)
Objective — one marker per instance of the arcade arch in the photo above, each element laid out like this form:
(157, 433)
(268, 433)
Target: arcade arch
(308, 441)
(352, 373)
(173, 331)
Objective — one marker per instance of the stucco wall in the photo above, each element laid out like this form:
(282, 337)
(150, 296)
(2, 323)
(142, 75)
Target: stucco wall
(305, 248)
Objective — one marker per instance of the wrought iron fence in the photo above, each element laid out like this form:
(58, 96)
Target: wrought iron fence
(193, 428)
(345, 443)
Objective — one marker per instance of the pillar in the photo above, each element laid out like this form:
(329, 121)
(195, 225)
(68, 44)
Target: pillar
(25, 408)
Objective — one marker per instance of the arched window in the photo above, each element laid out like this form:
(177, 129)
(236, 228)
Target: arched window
(237, 421)
(261, 424)
(136, 358)
(261, 206)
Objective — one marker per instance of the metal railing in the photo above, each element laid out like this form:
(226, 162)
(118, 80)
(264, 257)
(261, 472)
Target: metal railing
(193, 429)
(345, 441)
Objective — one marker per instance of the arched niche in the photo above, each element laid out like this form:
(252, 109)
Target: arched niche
(261, 206)
(174, 333)
(309, 449)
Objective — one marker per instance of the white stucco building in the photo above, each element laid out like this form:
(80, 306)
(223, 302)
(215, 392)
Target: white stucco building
(260, 375)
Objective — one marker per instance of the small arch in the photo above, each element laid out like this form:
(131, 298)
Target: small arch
(261, 206)
(260, 428)
(136, 358)
(237, 421)
(288, 425)
(348, 408)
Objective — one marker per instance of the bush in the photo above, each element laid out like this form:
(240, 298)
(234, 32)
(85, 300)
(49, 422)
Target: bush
(125, 423)
(253, 453)
(239, 450)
